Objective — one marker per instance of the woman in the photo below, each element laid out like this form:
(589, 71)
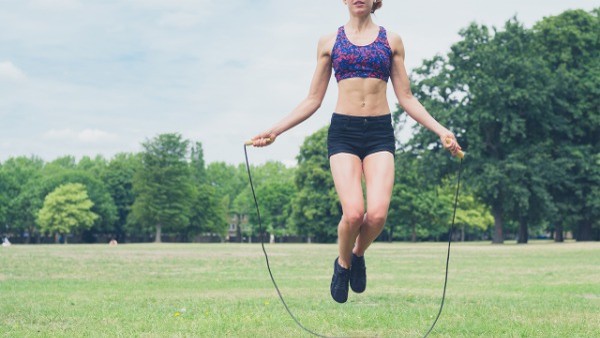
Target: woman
(361, 139)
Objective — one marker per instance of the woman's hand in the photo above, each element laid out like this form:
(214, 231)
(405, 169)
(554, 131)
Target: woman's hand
(449, 142)
(264, 139)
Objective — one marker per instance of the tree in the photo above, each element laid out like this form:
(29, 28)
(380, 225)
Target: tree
(163, 185)
(103, 204)
(471, 215)
(118, 178)
(96, 166)
(197, 164)
(66, 209)
(4, 201)
(230, 182)
(416, 208)
(315, 209)
(17, 175)
(275, 190)
(494, 92)
(209, 213)
(569, 44)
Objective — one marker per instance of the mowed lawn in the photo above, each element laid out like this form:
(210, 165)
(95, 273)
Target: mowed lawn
(540, 289)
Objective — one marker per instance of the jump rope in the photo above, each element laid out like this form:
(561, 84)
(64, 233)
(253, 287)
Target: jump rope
(459, 154)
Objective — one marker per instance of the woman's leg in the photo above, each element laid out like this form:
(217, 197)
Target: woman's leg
(347, 171)
(379, 176)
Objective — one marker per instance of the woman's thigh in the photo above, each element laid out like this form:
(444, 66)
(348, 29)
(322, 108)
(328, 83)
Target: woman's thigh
(347, 171)
(379, 176)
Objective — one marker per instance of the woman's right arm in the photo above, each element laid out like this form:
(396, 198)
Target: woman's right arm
(313, 100)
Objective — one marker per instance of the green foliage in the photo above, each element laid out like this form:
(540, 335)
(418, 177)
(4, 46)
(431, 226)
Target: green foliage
(103, 204)
(208, 214)
(516, 103)
(571, 47)
(163, 185)
(274, 184)
(315, 209)
(198, 167)
(276, 199)
(96, 166)
(230, 184)
(17, 175)
(228, 180)
(118, 178)
(66, 209)
(472, 216)
(417, 211)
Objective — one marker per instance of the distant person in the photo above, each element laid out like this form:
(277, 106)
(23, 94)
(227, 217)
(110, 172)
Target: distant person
(361, 140)
(6, 242)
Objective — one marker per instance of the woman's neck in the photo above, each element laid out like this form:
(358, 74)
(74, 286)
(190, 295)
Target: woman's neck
(360, 24)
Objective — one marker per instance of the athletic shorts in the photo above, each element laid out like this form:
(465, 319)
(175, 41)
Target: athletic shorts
(360, 135)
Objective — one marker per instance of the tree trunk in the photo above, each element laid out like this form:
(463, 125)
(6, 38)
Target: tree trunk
(523, 232)
(157, 238)
(559, 235)
(238, 233)
(56, 238)
(585, 231)
(30, 231)
(413, 235)
(65, 239)
(498, 235)
(462, 234)
(390, 239)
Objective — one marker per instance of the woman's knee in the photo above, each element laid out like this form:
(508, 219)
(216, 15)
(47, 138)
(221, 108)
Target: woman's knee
(376, 218)
(354, 217)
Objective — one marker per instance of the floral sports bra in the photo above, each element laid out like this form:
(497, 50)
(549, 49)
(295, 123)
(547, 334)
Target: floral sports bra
(371, 61)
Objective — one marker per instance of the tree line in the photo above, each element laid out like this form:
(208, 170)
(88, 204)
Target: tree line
(525, 103)
(522, 102)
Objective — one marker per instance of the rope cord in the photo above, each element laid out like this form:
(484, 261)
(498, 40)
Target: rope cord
(448, 255)
(262, 243)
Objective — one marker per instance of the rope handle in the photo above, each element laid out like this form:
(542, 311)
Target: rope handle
(251, 143)
(460, 154)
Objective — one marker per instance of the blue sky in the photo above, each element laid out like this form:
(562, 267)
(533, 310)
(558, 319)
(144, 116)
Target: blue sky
(100, 77)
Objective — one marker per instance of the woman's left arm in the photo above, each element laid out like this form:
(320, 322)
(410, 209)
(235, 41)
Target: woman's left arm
(408, 102)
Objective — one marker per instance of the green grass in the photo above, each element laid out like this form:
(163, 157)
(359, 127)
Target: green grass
(216, 290)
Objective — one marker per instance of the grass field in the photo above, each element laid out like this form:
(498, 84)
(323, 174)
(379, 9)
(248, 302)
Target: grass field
(217, 290)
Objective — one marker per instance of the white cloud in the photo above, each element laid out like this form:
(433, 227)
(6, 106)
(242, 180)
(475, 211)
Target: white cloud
(180, 20)
(85, 135)
(95, 135)
(10, 72)
(55, 4)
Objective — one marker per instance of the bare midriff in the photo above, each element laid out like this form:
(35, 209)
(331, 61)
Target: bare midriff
(362, 97)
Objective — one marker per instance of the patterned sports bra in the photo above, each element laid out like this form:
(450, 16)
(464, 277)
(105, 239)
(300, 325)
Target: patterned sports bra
(371, 61)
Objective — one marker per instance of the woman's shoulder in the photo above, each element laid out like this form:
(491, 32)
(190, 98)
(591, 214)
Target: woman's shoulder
(393, 36)
(327, 41)
(331, 36)
(395, 41)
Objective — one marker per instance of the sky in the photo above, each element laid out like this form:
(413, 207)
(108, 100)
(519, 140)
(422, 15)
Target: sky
(87, 78)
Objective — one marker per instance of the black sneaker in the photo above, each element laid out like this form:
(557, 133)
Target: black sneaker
(358, 274)
(339, 283)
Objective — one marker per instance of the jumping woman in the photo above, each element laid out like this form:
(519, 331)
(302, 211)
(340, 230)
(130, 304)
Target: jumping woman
(364, 56)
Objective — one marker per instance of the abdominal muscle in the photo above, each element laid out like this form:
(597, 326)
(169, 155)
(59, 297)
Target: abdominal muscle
(362, 97)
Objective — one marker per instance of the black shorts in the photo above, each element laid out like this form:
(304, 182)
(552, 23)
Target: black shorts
(360, 135)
